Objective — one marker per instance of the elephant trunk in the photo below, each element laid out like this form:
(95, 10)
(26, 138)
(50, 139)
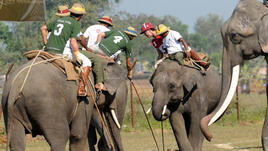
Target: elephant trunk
(159, 106)
(230, 75)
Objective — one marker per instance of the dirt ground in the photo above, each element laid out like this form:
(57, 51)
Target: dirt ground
(241, 137)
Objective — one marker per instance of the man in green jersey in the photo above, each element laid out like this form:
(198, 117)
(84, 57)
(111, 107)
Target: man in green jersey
(115, 42)
(63, 29)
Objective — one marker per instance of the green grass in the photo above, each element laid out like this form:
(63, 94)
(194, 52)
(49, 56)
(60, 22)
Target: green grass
(229, 134)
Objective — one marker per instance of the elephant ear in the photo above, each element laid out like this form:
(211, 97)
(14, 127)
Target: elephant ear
(190, 82)
(262, 34)
(114, 74)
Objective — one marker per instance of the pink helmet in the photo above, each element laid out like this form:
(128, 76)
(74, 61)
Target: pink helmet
(146, 26)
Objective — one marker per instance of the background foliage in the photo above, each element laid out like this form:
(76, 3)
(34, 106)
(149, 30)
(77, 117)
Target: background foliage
(17, 38)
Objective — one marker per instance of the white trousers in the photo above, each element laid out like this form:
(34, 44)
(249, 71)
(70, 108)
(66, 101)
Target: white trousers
(69, 54)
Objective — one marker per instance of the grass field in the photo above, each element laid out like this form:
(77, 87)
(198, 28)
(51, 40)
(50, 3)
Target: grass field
(228, 133)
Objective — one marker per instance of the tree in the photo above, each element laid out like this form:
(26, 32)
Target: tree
(209, 27)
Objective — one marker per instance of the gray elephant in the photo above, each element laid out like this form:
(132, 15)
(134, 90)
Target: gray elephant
(184, 95)
(244, 37)
(113, 111)
(47, 105)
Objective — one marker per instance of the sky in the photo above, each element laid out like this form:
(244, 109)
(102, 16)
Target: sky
(187, 11)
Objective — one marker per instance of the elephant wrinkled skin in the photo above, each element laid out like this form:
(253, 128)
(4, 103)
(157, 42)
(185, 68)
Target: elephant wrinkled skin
(188, 96)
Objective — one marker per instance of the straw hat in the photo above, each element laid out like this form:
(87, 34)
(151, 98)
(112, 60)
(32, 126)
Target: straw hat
(78, 8)
(131, 31)
(63, 11)
(161, 28)
(107, 20)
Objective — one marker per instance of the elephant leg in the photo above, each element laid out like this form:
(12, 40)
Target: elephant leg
(80, 126)
(115, 132)
(195, 135)
(80, 144)
(57, 137)
(92, 138)
(178, 126)
(17, 136)
(96, 121)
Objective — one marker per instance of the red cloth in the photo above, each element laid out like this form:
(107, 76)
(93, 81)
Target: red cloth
(157, 41)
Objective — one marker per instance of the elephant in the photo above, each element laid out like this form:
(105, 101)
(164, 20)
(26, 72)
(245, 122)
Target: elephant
(184, 95)
(244, 37)
(48, 105)
(113, 111)
(45, 104)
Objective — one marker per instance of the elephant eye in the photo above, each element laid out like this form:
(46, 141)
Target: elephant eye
(235, 38)
(171, 86)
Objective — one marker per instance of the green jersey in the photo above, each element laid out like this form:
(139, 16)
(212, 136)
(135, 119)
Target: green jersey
(61, 30)
(115, 42)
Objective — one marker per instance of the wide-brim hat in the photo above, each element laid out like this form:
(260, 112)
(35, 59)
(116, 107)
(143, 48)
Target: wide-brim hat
(106, 20)
(63, 11)
(161, 29)
(78, 8)
(131, 31)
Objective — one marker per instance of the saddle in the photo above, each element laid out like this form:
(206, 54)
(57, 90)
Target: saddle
(57, 60)
(193, 63)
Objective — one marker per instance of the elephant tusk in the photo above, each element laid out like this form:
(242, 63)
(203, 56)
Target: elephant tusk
(164, 110)
(115, 118)
(228, 99)
(149, 110)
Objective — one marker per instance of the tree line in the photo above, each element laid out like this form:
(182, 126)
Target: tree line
(19, 37)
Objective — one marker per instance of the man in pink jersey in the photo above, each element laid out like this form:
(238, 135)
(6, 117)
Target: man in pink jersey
(149, 31)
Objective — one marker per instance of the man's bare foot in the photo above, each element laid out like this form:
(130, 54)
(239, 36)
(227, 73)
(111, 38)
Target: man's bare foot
(100, 87)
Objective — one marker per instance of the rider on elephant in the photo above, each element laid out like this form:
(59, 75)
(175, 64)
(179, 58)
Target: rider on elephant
(114, 43)
(93, 31)
(149, 31)
(91, 34)
(63, 29)
(176, 46)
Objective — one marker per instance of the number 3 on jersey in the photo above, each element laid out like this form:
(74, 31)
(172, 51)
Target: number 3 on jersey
(59, 30)
(117, 39)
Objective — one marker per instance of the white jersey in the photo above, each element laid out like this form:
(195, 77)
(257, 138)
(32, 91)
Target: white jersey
(92, 33)
(171, 43)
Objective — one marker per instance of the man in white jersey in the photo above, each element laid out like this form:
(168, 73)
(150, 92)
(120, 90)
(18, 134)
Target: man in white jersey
(177, 47)
(93, 31)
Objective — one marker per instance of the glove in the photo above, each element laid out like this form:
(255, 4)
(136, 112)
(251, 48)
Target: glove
(129, 75)
(158, 62)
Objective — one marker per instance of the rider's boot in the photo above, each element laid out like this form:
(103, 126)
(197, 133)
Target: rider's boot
(195, 56)
(83, 81)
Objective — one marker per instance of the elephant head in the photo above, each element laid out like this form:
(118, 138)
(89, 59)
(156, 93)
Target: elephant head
(244, 37)
(171, 86)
